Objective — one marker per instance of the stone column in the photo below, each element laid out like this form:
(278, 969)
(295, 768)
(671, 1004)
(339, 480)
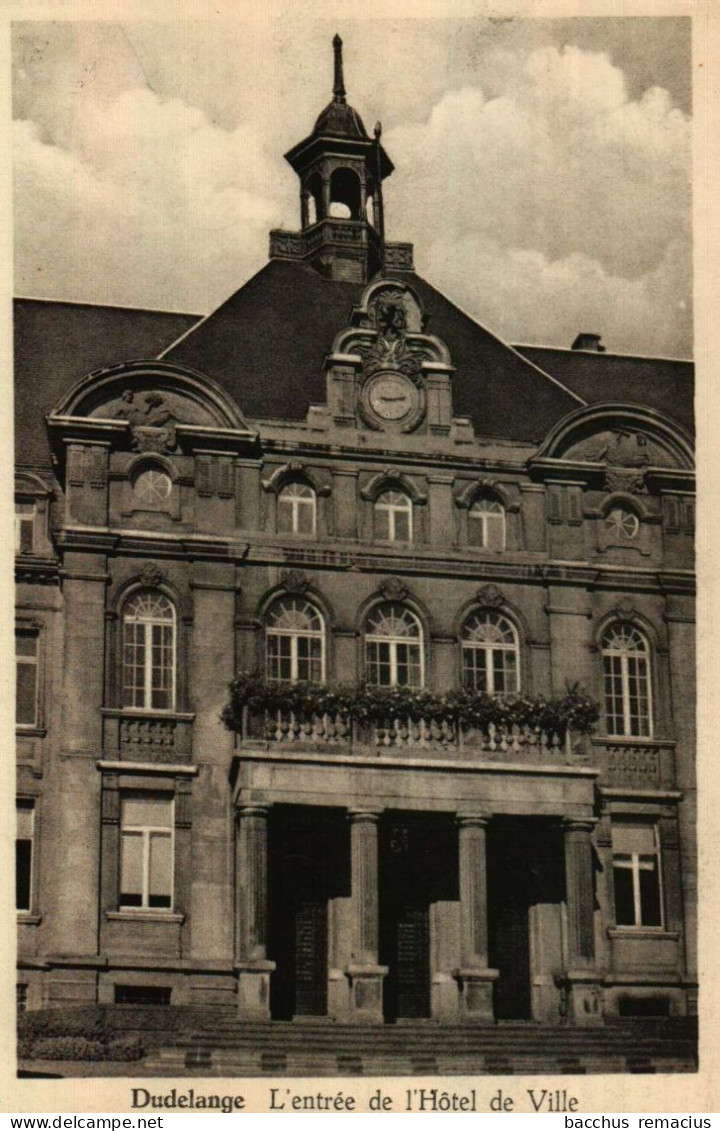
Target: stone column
(474, 978)
(364, 973)
(304, 209)
(251, 961)
(582, 977)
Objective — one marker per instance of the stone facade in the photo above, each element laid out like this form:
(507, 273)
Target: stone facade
(308, 865)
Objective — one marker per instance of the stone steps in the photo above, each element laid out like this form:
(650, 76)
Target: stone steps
(301, 1049)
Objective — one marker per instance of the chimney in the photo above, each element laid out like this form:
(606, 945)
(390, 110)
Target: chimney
(590, 342)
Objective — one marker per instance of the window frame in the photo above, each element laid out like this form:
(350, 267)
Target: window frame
(489, 648)
(146, 833)
(27, 803)
(294, 635)
(393, 642)
(475, 516)
(392, 510)
(308, 502)
(634, 866)
(612, 657)
(147, 706)
(29, 520)
(30, 630)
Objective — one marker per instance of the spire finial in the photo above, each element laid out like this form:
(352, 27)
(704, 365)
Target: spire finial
(339, 83)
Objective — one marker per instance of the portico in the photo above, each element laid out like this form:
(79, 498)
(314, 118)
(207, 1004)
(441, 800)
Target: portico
(468, 901)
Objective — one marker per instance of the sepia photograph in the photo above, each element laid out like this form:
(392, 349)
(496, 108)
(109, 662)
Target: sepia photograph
(354, 547)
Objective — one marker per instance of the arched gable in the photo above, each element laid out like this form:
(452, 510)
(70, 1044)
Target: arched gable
(619, 435)
(152, 394)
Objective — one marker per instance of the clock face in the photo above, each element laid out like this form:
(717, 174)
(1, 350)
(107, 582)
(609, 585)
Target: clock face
(391, 396)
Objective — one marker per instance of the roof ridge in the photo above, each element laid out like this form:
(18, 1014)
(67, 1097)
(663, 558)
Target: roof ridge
(107, 306)
(507, 345)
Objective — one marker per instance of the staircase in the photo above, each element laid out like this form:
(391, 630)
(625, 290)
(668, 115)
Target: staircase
(234, 1048)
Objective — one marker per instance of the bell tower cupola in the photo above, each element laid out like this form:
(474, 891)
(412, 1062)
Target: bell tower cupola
(341, 170)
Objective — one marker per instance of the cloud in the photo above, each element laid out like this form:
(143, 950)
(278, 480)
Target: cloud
(545, 201)
(557, 204)
(153, 205)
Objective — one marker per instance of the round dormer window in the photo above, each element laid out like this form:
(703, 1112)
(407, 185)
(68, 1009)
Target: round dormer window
(152, 487)
(622, 523)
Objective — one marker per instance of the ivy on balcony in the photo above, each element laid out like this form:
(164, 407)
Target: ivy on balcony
(252, 694)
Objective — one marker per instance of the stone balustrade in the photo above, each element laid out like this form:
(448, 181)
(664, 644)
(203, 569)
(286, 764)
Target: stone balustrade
(410, 735)
(147, 736)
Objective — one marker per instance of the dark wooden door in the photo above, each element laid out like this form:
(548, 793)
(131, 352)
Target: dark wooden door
(311, 958)
(412, 961)
(511, 955)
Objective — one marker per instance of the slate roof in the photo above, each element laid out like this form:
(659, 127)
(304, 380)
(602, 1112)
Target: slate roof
(57, 343)
(661, 383)
(266, 345)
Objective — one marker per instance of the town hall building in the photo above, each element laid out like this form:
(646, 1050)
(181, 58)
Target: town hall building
(379, 520)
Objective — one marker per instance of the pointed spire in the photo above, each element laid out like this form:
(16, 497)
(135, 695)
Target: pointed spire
(339, 83)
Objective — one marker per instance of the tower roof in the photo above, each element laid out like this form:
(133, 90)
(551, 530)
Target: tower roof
(338, 119)
(340, 122)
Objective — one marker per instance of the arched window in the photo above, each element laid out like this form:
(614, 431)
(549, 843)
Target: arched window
(626, 673)
(486, 524)
(393, 517)
(393, 647)
(490, 654)
(149, 652)
(152, 488)
(295, 641)
(296, 509)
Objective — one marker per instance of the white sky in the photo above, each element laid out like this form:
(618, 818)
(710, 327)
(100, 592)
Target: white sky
(542, 167)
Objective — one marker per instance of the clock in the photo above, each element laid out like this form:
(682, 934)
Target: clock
(391, 396)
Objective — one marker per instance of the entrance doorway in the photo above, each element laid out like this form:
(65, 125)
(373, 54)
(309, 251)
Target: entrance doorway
(526, 890)
(418, 866)
(308, 865)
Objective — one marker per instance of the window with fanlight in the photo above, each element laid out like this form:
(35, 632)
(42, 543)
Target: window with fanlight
(490, 654)
(627, 682)
(393, 517)
(394, 647)
(295, 642)
(297, 509)
(486, 524)
(149, 652)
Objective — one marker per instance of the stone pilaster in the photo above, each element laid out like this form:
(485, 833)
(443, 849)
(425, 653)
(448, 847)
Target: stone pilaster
(364, 973)
(474, 978)
(251, 960)
(583, 982)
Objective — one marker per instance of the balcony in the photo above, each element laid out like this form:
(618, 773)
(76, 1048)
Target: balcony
(634, 763)
(405, 737)
(147, 736)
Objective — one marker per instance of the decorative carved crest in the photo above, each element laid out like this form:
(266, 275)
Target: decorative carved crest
(625, 609)
(490, 595)
(624, 479)
(152, 424)
(151, 575)
(393, 589)
(295, 581)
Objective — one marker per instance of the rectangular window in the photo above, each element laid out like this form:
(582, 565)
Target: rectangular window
(146, 866)
(637, 875)
(24, 527)
(24, 854)
(26, 682)
(21, 992)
